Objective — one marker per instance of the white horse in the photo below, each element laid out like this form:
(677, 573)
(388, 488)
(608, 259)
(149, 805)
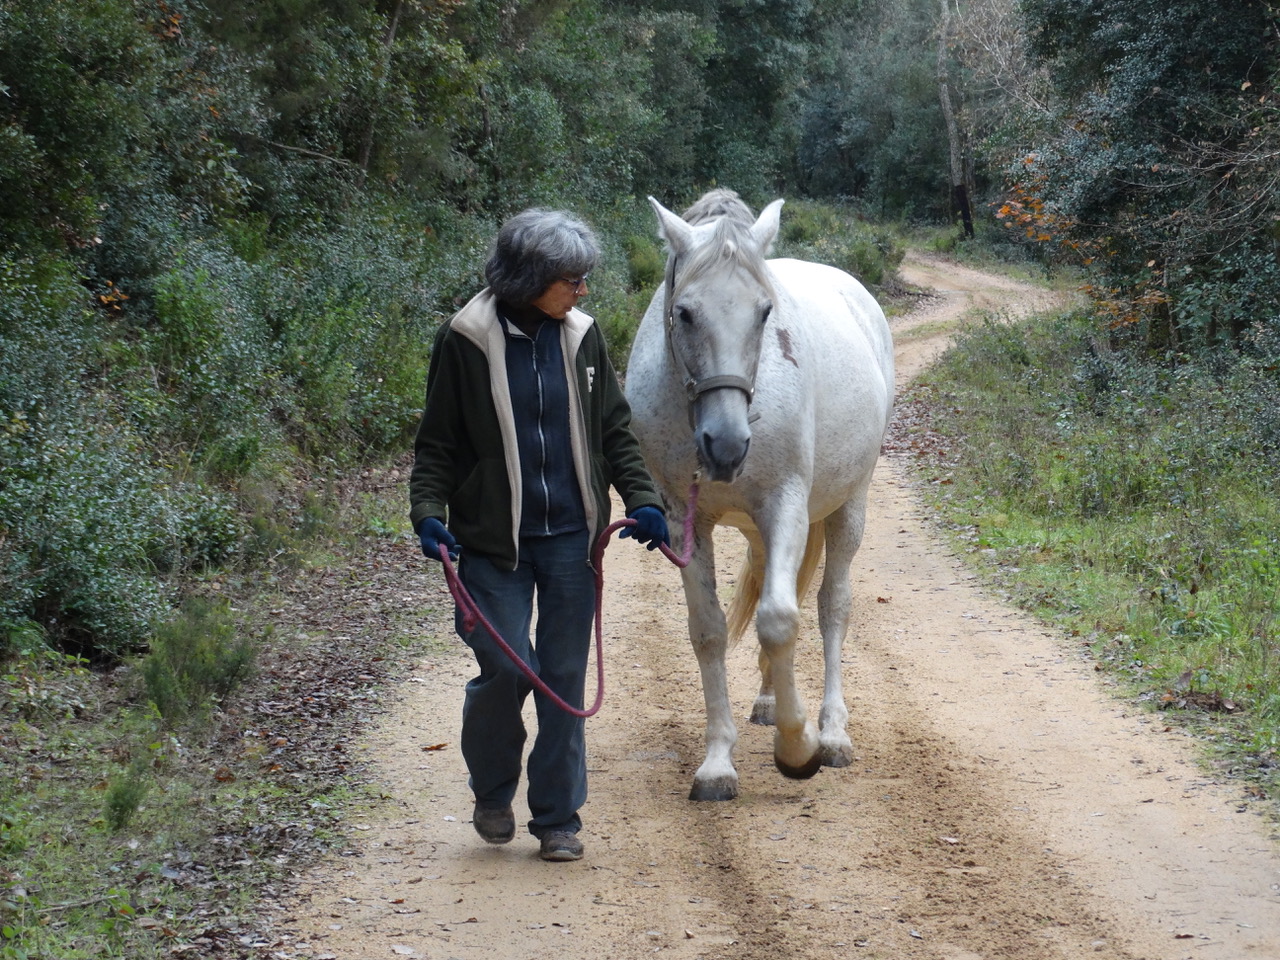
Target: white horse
(773, 380)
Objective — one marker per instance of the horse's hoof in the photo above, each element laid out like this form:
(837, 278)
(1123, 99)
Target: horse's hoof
(837, 756)
(721, 788)
(802, 772)
(762, 711)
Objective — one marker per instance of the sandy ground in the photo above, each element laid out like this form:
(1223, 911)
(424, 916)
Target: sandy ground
(1003, 804)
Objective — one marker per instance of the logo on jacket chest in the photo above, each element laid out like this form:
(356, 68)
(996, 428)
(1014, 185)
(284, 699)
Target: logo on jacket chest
(591, 378)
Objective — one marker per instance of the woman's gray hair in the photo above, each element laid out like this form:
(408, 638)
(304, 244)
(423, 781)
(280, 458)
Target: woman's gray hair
(535, 247)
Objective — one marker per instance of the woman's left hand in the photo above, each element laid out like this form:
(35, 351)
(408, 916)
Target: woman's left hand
(650, 527)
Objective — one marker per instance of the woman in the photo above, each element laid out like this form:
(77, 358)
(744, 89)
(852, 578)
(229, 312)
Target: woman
(524, 431)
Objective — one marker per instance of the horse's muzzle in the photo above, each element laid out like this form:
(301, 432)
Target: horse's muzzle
(722, 458)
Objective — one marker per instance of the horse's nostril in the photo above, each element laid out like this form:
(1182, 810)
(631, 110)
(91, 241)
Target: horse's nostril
(723, 456)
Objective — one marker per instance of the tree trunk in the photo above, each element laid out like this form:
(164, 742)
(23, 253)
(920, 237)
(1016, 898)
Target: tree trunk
(959, 192)
(366, 142)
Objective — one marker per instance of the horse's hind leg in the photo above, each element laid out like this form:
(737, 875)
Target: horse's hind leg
(844, 535)
(764, 707)
(716, 779)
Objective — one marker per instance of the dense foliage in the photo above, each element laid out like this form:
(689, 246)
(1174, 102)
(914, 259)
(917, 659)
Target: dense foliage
(1156, 161)
(228, 229)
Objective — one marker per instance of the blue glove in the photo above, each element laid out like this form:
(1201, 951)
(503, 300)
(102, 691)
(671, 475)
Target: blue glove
(433, 533)
(650, 528)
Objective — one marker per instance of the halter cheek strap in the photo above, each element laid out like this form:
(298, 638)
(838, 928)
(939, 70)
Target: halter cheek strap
(693, 387)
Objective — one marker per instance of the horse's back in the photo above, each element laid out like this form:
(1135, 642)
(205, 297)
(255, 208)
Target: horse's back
(840, 310)
(846, 338)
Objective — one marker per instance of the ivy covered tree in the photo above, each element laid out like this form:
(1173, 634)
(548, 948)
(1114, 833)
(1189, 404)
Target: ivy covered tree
(1158, 157)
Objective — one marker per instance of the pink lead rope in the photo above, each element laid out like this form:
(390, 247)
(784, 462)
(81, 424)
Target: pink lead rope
(471, 614)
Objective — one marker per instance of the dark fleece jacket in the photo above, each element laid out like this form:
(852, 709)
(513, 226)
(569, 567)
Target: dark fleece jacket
(466, 467)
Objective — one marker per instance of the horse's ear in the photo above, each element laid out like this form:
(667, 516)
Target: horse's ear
(672, 228)
(766, 226)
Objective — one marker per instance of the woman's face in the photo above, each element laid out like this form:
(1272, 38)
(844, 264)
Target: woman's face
(561, 296)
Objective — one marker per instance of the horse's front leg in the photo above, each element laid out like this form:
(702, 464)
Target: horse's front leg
(795, 736)
(716, 779)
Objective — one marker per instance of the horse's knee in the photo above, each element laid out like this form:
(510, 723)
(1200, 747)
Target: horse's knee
(777, 624)
(710, 648)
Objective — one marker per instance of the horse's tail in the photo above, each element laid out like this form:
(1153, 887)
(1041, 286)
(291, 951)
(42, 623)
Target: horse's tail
(746, 595)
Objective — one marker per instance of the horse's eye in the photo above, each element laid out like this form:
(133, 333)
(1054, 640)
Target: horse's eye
(685, 315)
(764, 313)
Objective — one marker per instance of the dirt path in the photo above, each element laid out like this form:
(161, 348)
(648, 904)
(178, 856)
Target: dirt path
(1002, 804)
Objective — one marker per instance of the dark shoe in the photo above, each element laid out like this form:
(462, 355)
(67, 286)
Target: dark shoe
(561, 845)
(496, 825)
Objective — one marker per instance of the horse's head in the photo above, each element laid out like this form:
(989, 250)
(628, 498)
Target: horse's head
(718, 297)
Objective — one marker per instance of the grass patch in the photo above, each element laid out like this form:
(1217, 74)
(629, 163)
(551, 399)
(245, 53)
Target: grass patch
(1133, 502)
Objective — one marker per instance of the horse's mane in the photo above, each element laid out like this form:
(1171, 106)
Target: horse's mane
(719, 203)
(731, 242)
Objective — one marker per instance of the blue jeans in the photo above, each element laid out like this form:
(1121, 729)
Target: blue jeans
(556, 569)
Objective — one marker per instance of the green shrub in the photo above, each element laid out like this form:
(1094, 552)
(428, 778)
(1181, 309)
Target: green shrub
(214, 354)
(92, 525)
(645, 263)
(352, 321)
(619, 317)
(124, 795)
(78, 517)
(195, 660)
(837, 237)
(1131, 496)
(1215, 305)
(39, 684)
(91, 515)
(945, 239)
(808, 223)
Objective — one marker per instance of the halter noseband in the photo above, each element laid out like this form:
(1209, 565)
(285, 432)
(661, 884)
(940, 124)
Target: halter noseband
(694, 387)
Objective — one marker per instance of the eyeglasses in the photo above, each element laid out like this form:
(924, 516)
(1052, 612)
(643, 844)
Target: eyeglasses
(579, 284)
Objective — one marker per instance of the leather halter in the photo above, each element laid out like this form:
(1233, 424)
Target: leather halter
(694, 387)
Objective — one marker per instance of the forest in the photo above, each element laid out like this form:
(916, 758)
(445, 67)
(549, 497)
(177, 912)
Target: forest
(229, 229)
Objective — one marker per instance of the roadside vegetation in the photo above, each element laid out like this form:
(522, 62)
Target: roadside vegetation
(162, 807)
(1132, 500)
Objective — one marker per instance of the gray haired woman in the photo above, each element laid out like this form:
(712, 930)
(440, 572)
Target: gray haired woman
(524, 430)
